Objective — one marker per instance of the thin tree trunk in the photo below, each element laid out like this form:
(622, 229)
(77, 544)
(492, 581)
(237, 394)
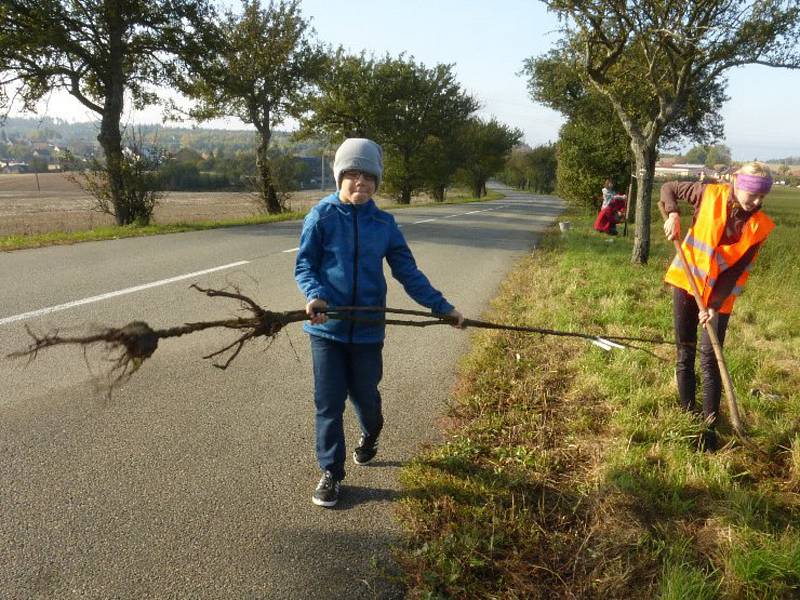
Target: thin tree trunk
(110, 136)
(645, 168)
(406, 186)
(265, 187)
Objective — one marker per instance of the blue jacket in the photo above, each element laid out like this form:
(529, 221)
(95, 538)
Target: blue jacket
(340, 260)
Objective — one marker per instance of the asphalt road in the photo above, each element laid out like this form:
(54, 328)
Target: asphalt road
(195, 482)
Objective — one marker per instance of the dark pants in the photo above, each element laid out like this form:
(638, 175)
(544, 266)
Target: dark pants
(686, 319)
(341, 369)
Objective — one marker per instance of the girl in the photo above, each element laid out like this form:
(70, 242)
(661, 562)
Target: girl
(727, 231)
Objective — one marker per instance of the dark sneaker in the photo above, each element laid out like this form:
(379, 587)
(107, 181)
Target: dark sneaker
(327, 492)
(708, 441)
(366, 450)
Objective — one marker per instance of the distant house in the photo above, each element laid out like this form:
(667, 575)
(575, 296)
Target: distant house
(13, 167)
(685, 171)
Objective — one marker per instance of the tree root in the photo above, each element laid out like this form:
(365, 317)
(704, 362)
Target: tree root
(137, 341)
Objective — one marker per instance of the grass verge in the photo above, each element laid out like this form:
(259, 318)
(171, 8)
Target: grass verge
(570, 472)
(19, 242)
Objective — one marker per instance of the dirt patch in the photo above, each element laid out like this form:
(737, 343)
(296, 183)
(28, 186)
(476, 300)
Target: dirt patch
(57, 204)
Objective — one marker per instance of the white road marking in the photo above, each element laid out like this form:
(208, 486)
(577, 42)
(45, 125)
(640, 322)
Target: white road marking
(290, 250)
(138, 288)
(423, 221)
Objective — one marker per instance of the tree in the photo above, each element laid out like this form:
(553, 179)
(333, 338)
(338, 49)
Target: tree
(593, 146)
(140, 184)
(487, 145)
(262, 72)
(532, 168)
(656, 61)
(718, 154)
(586, 160)
(98, 51)
(439, 160)
(697, 155)
(396, 102)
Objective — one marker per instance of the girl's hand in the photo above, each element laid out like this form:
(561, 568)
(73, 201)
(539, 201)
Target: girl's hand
(313, 310)
(672, 226)
(707, 315)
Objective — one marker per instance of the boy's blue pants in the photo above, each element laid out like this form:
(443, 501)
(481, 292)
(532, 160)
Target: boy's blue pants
(341, 369)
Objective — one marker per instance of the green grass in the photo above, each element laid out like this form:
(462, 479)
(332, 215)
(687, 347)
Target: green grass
(570, 471)
(18, 242)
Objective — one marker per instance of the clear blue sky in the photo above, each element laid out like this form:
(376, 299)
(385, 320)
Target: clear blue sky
(487, 42)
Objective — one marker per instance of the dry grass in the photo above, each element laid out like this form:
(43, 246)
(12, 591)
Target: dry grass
(58, 204)
(572, 473)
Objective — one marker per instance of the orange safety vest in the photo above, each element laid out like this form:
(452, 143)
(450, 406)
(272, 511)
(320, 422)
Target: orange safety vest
(708, 258)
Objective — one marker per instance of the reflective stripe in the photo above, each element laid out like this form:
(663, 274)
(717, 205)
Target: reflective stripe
(737, 290)
(694, 269)
(748, 267)
(698, 272)
(699, 245)
(722, 263)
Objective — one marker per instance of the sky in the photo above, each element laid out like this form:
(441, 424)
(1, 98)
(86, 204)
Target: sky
(488, 42)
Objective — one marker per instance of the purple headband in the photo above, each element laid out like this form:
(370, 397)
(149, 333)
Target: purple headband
(755, 184)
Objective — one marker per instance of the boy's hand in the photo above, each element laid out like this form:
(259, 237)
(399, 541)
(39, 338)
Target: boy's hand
(460, 319)
(313, 310)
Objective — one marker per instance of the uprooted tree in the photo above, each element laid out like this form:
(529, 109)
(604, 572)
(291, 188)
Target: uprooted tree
(654, 60)
(131, 345)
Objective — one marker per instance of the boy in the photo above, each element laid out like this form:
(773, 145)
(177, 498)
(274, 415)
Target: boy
(340, 263)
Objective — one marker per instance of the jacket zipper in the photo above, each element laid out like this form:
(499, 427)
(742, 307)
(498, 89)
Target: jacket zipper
(355, 267)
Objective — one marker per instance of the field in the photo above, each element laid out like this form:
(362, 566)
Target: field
(58, 204)
(571, 472)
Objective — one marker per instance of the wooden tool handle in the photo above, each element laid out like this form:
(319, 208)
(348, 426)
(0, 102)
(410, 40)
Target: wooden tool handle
(730, 394)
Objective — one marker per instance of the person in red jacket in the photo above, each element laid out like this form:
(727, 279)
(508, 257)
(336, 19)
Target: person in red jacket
(612, 210)
(728, 229)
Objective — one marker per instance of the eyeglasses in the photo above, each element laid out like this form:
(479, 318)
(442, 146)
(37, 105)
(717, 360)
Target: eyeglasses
(354, 175)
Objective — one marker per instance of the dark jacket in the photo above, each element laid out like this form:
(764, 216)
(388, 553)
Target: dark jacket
(340, 260)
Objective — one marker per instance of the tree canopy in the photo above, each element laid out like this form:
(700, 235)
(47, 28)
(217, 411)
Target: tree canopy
(657, 61)
(397, 102)
(704, 154)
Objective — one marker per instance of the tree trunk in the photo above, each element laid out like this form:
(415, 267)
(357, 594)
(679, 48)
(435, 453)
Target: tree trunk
(406, 183)
(110, 136)
(266, 189)
(438, 193)
(645, 169)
